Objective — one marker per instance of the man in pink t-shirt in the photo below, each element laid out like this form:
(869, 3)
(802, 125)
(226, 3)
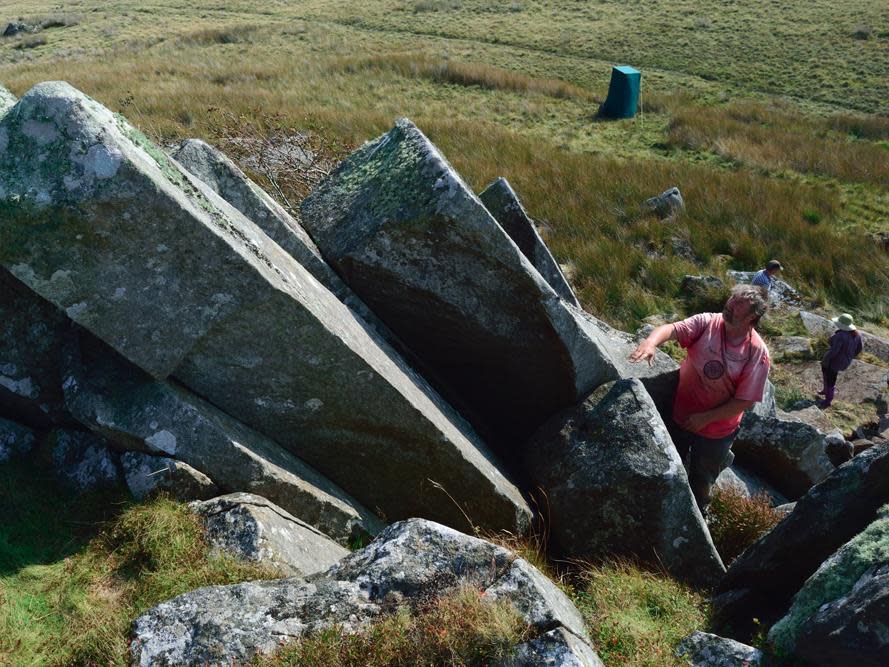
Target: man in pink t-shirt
(723, 374)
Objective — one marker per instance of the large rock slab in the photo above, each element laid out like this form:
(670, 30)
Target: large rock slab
(408, 235)
(823, 326)
(615, 485)
(148, 258)
(31, 334)
(703, 649)
(130, 408)
(254, 529)
(841, 614)
(410, 562)
(503, 203)
(146, 475)
(228, 181)
(15, 440)
(762, 580)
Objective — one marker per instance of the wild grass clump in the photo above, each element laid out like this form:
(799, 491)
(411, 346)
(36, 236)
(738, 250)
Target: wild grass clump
(636, 618)
(236, 34)
(457, 630)
(874, 128)
(757, 136)
(446, 70)
(737, 521)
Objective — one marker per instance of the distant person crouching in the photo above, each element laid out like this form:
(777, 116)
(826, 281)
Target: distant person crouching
(723, 375)
(766, 277)
(845, 345)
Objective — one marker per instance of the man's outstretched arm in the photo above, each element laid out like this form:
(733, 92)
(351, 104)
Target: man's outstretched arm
(646, 349)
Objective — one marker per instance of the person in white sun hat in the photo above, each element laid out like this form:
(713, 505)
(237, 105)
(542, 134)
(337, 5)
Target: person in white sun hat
(845, 345)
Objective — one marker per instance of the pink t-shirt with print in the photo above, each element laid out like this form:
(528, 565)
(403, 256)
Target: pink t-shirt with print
(704, 380)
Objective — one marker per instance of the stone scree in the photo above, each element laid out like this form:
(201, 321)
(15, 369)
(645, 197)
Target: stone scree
(148, 258)
(411, 561)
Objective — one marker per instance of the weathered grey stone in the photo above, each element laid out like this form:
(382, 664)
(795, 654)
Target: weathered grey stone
(666, 204)
(31, 332)
(556, 648)
(15, 440)
(820, 326)
(785, 509)
(410, 563)
(735, 477)
(83, 461)
(407, 234)
(152, 261)
(254, 529)
(790, 347)
(780, 293)
(503, 203)
(762, 580)
(615, 485)
(135, 411)
(146, 475)
(7, 100)
(228, 181)
(789, 453)
(841, 614)
(16, 27)
(702, 649)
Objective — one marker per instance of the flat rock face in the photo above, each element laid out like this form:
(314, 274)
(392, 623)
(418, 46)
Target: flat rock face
(100, 222)
(407, 234)
(254, 529)
(410, 562)
(615, 485)
(702, 649)
(135, 411)
(15, 440)
(31, 331)
(761, 582)
(146, 475)
(841, 614)
(82, 461)
(503, 203)
(735, 477)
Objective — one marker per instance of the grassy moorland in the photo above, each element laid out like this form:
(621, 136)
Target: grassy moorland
(766, 117)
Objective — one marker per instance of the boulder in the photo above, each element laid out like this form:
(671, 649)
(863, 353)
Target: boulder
(790, 347)
(615, 485)
(409, 563)
(82, 461)
(15, 440)
(228, 181)
(7, 100)
(148, 258)
(788, 452)
(408, 235)
(821, 326)
(251, 528)
(15, 27)
(31, 334)
(146, 475)
(841, 614)
(556, 648)
(763, 579)
(747, 483)
(780, 293)
(136, 412)
(700, 284)
(666, 204)
(702, 649)
(503, 203)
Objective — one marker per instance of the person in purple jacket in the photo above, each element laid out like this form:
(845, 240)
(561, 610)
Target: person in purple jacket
(845, 345)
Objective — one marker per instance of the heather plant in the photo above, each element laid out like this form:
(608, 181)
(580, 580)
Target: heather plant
(738, 520)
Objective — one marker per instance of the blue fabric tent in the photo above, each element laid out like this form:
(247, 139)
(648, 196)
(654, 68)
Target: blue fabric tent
(623, 93)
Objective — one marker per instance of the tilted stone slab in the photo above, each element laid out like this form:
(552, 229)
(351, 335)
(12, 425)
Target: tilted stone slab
(615, 485)
(136, 250)
(841, 614)
(703, 649)
(228, 181)
(146, 475)
(135, 411)
(410, 563)
(503, 203)
(406, 233)
(761, 581)
(251, 528)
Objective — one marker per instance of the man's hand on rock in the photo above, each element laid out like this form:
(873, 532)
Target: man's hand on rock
(645, 352)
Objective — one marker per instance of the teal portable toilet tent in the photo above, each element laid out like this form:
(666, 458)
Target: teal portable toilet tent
(623, 93)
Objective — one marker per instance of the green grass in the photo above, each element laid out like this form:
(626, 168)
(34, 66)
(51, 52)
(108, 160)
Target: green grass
(76, 570)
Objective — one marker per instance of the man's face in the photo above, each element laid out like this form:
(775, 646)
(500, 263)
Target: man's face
(738, 312)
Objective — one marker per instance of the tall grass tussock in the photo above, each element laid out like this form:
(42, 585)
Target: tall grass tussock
(737, 521)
